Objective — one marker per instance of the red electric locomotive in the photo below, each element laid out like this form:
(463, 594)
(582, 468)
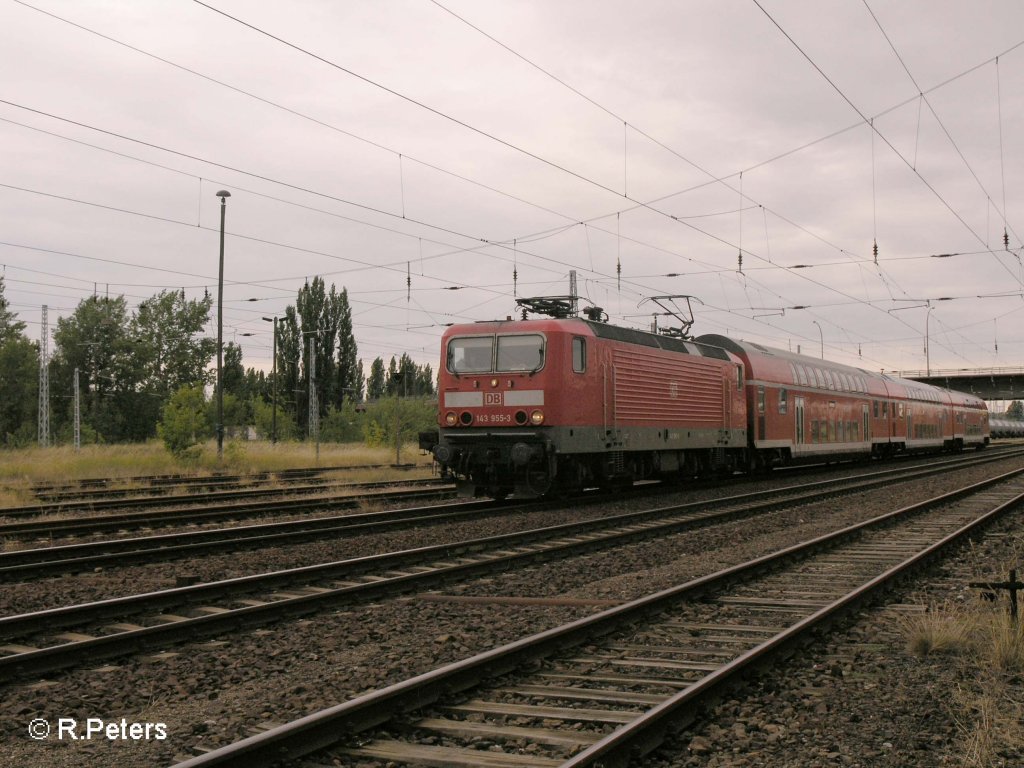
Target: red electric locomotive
(569, 401)
(565, 402)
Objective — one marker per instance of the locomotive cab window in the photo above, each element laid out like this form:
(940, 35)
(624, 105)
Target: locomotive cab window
(520, 353)
(471, 354)
(579, 354)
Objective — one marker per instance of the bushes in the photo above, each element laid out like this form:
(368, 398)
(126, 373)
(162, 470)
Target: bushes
(188, 419)
(184, 423)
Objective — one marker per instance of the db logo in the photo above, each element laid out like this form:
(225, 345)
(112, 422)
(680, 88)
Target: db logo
(492, 398)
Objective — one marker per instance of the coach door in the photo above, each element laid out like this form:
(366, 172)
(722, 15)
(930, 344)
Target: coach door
(798, 411)
(866, 421)
(760, 413)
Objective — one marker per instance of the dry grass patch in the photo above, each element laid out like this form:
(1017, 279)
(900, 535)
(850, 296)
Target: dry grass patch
(992, 697)
(987, 649)
(946, 630)
(20, 468)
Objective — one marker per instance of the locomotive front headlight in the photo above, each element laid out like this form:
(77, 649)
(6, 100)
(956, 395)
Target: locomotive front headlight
(450, 418)
(537, 418)
(494, 383)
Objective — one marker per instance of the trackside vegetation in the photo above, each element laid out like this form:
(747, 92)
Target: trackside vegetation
(148, 372)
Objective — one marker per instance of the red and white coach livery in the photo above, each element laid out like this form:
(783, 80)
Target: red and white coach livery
(564, 402)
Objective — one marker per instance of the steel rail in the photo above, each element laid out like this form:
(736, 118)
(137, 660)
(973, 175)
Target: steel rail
(37, 510)
(325, 728)
(187, 515)
(72, 557)
(458, 560)
(69, 558)
(99, 484)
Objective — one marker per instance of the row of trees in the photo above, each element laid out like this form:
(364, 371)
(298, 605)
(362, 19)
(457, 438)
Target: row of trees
(132, 363)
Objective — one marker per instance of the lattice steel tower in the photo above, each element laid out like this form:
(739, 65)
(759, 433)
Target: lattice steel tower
(44, 382)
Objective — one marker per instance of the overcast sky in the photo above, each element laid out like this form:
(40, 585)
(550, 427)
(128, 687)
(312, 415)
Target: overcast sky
(454, 144)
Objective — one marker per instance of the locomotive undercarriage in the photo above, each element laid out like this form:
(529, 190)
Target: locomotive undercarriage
(528, 464)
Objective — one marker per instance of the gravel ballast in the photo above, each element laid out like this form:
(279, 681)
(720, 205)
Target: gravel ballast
(849, 698)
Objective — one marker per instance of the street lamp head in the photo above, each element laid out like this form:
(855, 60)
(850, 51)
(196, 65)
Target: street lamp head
(222, 194)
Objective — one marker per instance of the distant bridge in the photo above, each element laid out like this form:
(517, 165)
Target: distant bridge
(986, 383)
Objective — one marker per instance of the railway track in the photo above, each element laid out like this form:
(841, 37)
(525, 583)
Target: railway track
(162, 484)
(603, 690)
(71, 558)
(219, 510)
(186, 502)
(36, 644)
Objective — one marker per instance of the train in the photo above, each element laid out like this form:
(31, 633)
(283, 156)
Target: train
(1002, 427)
(566, 400)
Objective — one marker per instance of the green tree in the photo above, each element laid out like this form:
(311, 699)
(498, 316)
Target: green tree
(320, 324)
(375, 385)
(1016, 410)
(97, 340)
(170, 351)
(289, 353)
(360, 385)
(343, 425)
(184, 422)
(19, 379)
(263, 419)
(19, 385)
(316, 309)
(237, 414)
(10, 327)
(405, 378)
(412, 415)
(233, 372)
(349, 369)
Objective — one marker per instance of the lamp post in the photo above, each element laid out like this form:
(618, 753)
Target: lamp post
(822, 337)
(927, 343)
(223, 195)
(273, 418)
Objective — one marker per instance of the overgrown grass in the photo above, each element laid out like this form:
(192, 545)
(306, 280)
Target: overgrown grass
(21, 468)
(944, 630)
(988, 651)
(992, 697)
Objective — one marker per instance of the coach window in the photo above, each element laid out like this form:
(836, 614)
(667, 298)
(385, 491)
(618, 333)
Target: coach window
(876, 408)
(739, 378)
(520, 353)
(579, 354)
(783, 404)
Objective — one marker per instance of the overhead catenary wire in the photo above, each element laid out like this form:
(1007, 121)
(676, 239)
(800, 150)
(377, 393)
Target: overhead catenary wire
(586, 230)
(740, 257)
(390, 150)
(875, 130)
